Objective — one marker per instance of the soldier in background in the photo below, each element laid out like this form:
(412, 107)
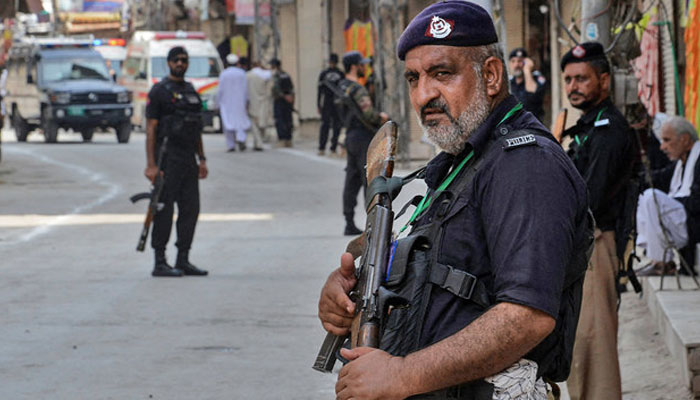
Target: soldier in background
(325, 101)
(174, 111)
(283, 97)
(363, 121)
(526, 83)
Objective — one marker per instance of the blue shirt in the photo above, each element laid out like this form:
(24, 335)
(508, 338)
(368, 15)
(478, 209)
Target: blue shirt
(513, 226)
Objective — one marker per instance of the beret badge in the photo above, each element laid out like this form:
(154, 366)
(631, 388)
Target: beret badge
(439, 28)
(578, 52)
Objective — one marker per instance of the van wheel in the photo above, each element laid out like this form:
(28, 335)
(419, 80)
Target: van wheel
(50, 131)
(20, 126)
(123, 132)
(87, 134)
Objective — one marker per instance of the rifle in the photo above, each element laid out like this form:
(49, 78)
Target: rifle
(560, 125)
(154, 195)
(355, 109)
(371, 299)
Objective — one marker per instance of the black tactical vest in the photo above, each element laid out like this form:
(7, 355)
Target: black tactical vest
(415, 271)
(183, 126)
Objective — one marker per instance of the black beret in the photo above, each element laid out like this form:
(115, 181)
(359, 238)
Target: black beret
(587, 51)
(176, 51)
(448, 23)
(517, 52)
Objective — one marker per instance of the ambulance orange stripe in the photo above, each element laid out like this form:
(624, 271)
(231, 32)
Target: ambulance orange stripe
(207, 87)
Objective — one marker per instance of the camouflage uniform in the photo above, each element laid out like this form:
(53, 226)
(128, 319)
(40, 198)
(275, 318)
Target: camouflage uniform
(357, 137)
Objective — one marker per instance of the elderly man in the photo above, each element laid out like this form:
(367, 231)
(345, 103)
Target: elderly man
(488, 233)
(232, 99)
(676, 200)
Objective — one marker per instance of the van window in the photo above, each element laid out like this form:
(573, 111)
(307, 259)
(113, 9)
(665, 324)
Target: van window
(61, 69)
(132, 67)
(199, 67)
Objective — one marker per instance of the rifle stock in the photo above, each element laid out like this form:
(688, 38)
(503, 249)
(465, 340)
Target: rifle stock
(560, 125)
(374, 245)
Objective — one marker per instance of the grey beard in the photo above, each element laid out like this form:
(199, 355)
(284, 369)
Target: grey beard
(453, 137)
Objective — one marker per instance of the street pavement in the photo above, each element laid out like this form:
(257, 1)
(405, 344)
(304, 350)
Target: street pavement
(83, 319)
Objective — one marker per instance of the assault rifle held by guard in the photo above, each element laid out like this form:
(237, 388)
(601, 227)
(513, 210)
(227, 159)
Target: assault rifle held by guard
(370, 297)
(154, 195)
(352, 106)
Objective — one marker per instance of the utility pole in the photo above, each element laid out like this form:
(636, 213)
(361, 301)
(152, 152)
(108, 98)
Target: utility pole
(275, 32)
(256, 31)
(595, 21)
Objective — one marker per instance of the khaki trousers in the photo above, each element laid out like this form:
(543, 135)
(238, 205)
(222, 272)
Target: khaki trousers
(595, 369)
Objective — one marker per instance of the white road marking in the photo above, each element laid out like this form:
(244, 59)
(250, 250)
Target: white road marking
(37, 220)
(111, 191)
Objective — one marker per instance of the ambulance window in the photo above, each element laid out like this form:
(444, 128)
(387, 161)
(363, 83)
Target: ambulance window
(198, 67)
(132, 67)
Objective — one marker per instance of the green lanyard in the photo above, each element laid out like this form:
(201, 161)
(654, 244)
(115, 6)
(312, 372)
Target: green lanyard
(425, 203)
(580, 142)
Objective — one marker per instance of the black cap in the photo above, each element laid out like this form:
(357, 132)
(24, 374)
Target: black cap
(333, 58)
(354, 58)
(584, 52)
(448, 23)
(517, 52)
(176, 51)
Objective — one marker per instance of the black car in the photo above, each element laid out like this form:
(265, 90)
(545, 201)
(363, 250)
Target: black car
(64, 84)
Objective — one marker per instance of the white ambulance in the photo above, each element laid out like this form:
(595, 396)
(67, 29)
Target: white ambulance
(146, 64)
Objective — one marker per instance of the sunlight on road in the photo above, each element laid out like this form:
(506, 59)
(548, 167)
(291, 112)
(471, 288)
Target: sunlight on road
(32, 220)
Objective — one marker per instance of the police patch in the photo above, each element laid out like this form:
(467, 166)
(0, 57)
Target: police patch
(519, 141)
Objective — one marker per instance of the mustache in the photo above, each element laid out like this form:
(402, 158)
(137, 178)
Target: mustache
(436, 105)
(575, 93)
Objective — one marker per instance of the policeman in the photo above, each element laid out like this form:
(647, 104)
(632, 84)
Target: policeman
(173, 111)
(362, 121)
(326, 105)
(603, 152)
(283, 96)
(503, 223)
(526, 83)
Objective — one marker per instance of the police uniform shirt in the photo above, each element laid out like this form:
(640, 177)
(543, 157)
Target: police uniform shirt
(602, 151)
(161, 103)
(283, 85)
(324, 99)
(531, 101)
(512, 227)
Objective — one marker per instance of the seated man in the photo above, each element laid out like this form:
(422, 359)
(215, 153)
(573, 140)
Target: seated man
(676, 201)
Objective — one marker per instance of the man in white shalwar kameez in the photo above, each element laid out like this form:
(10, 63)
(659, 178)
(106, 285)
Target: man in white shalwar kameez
(668, 215)
(232, 99)
(259, 102)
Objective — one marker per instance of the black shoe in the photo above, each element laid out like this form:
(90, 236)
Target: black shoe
(231, 150)
(189, 269)
(163, 269)
(258, 149)
(241, 146)
(352, 230)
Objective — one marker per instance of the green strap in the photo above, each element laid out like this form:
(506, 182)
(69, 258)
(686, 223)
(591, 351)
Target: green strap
(425, 203)
(580, 142)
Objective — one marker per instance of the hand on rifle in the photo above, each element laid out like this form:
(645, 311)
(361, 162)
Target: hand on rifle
(384, 116)
(151, 172)
(335, 309)
(371, 374)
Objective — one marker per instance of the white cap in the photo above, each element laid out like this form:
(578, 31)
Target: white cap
(231, 59)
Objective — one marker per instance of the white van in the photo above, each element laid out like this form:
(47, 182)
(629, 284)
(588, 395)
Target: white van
(146, 64)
